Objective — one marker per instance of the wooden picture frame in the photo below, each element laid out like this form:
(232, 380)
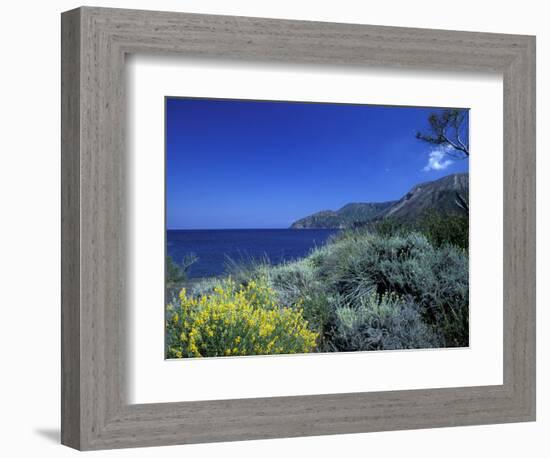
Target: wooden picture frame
(95, 412)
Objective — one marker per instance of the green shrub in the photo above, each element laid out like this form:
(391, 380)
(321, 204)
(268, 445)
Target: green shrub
(177, 273)
(203, 287)
(446, 229)
(384, 322)
(388, 227)
(439, 228)
(436, 279)
(235, 320)
(447, 299)
(291, 280)
(319, 255)
(174, 273)
(297, 282)
(247, 268)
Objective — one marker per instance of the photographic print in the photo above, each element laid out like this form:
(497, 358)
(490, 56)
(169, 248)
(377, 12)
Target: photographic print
(300, 227)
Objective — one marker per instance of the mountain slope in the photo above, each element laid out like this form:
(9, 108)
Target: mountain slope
(344, 217)
(439, 195)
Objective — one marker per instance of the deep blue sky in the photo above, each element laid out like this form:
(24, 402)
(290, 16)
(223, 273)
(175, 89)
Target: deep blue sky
(256, 164)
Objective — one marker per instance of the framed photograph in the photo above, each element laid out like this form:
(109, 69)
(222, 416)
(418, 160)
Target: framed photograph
(246, 275)
(277, 228)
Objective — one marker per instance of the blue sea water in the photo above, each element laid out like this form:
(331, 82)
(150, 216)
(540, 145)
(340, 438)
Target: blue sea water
(214, 247)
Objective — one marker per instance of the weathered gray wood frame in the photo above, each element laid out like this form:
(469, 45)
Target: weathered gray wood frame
(95, 41)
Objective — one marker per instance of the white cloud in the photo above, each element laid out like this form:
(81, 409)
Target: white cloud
(438, 159)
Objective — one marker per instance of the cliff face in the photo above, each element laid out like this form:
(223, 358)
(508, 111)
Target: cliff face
(439, 195)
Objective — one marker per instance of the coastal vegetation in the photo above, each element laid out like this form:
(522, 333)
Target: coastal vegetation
(385, 285)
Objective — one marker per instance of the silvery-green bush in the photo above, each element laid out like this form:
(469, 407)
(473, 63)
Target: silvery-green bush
(299, 282)
(385, 322)
(435, 279)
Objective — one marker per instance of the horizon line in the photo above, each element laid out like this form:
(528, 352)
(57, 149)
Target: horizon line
(249, 229)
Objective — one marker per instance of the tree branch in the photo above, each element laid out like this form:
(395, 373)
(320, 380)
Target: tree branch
(459, 147)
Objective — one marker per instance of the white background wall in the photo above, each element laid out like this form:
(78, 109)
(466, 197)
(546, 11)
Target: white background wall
(29, 228)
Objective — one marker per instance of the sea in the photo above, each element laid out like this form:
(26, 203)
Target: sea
(216, 249)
